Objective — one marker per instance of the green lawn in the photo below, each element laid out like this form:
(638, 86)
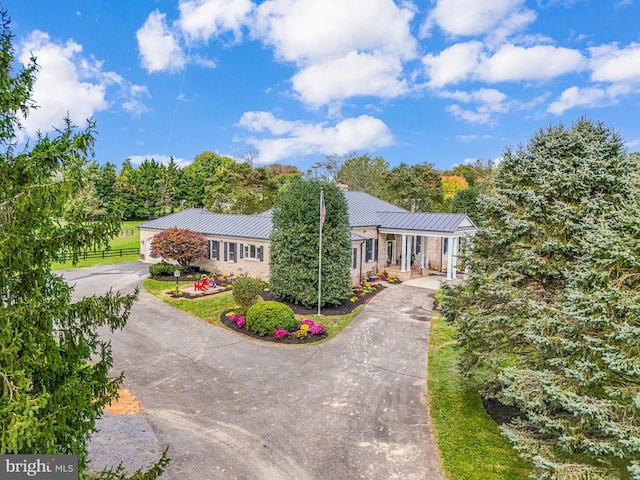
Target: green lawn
(121, 241)
(470, 444)
(210, 307)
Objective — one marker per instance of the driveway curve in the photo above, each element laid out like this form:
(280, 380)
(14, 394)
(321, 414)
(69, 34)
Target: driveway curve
(231, 407)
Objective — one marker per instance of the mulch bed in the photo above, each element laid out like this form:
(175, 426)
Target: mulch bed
(499, 412)
(290, 340)
(345, 307)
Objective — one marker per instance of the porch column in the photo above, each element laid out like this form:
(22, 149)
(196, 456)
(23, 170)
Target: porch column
(421, 251)
(450, 272)
(455, 251)
(426, 254)
(403, 255)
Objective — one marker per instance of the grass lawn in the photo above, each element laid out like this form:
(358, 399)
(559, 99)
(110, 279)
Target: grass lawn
(210, 307)
(470, 444)
(121, 241)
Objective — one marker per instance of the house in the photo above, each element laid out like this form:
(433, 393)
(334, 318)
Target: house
(383, 236)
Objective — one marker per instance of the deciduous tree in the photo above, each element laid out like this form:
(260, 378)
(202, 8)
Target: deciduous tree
(179, 244)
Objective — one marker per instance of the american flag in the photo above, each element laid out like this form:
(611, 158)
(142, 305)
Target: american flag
(323, 210)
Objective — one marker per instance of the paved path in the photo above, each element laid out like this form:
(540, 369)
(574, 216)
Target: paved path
(231, 407)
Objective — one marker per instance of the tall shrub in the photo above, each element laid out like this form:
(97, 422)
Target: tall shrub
(246, 291)
(548, 320)
(294, 245)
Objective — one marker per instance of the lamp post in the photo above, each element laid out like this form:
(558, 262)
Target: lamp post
(176, 274)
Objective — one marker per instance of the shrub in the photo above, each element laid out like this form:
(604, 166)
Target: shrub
(246, 291)
(164, 268)
(265, 317)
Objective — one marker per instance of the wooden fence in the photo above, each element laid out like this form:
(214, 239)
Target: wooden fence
(113, 252)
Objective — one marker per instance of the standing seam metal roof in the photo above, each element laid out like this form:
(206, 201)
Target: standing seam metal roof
(364, 211)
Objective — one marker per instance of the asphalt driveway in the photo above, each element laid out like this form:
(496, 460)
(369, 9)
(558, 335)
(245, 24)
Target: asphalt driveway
(231, 407)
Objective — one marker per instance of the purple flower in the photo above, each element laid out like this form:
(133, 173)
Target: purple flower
(306, 321)
(360, 295)
(233, 318)
(316, 329)
(241, 322)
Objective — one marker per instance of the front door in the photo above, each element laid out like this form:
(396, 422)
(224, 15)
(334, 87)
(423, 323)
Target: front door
(390, 252)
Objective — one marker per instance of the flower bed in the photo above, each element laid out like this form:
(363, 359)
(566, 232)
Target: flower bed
(307, 331)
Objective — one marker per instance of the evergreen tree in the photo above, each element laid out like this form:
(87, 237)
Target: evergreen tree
(548, 320)
(294, 245)
(54, 369)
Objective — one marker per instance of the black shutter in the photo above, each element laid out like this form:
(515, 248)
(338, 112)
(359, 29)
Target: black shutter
(375, 250)
(233, 249)
(261, 254)
(354, 261)
(209, 249)
(418, 244)
(241, 251)
(226, 251)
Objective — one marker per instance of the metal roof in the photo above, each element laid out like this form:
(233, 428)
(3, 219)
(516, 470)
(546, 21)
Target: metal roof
(364, 208)
(364, 211)
(208, 223)
(432, 222)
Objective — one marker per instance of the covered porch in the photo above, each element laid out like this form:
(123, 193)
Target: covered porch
(423, 244)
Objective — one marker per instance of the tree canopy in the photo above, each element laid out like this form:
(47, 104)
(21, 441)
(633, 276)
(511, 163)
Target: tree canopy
(54, 368)
(548, 320)
(295, 242)
(179, 244)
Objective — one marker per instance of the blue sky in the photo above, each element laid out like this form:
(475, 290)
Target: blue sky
(292, 81)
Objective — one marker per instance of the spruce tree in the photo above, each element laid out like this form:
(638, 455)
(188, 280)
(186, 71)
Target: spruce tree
(548, 320)
(294, 245)
(54, 368)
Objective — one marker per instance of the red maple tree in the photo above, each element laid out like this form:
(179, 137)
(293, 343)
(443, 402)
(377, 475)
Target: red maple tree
(179, 244)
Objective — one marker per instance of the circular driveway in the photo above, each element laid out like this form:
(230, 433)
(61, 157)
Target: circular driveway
(230, 407)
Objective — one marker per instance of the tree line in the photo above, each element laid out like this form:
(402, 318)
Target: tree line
(224, 185)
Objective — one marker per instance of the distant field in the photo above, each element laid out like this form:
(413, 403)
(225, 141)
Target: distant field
(129, 238)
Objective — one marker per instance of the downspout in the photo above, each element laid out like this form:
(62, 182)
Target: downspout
(361, 244)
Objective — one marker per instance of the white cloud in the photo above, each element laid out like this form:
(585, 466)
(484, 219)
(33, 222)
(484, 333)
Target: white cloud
(203, 19)
(468, 61)
(611, 64)
(454, 64)
(352, 75)
(474, 17)
(489, 102)
(160, 158)
(311, 30)
(542, 62)
(68, 84)
(299, 139)
(588, 97)
(158, 46)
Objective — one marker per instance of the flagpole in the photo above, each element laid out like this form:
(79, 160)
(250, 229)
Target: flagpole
(322, 215)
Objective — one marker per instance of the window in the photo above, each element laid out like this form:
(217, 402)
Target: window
(214, 249)
(369, 250)
(230, 252)
(418, 244)
(445, 246)
(250, 252)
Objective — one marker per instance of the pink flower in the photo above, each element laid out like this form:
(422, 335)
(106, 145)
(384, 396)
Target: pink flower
(360, 295)
(316, 329)
(241, 322)
(280, 333)
(306, 321)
